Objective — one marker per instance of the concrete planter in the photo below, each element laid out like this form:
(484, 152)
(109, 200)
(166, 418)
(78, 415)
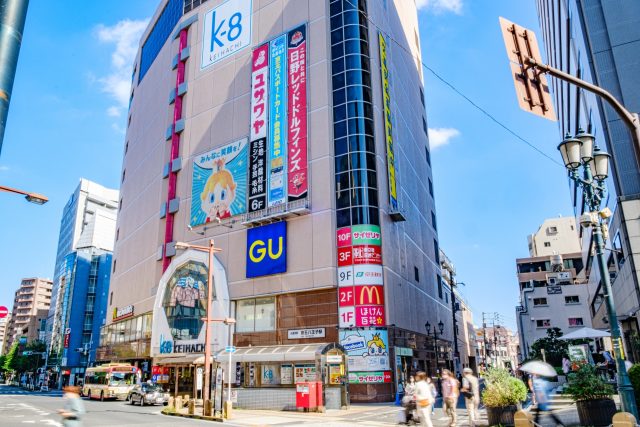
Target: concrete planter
(597, 412)
(502, 415)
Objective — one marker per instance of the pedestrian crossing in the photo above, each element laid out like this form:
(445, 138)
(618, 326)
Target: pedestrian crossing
(12, 391)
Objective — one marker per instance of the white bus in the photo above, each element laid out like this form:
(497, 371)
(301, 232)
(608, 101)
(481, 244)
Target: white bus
(109, 381)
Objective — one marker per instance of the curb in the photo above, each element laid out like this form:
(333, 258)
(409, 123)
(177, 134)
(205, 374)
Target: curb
(196, 417)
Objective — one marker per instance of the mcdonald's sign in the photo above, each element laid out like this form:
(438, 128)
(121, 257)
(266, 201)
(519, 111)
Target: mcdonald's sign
(369, 295)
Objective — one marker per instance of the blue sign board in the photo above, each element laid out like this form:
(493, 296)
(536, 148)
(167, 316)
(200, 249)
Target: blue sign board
(267, 249)
(277, 120)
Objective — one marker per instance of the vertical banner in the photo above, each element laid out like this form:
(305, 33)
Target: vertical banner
(388, 127)
(258, 132)
(297, 113)
(277, 120)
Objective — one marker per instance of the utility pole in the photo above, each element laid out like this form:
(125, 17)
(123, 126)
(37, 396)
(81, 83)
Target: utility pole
(448, 266)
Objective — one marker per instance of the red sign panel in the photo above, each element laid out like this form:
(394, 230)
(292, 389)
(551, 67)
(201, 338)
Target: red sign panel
(4, 311)
(297, 113)
(367, 254)
(259, 91)
(343, 236)
(370, 315)
(66, 340)
(344, 257)
(369, 295)
(346, 296)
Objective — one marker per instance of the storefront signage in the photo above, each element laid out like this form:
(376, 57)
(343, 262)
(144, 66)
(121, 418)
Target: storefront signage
(298, 334)
(367, 254)
(403, 351)
(388, 125)
(343, 237)
(277, 120)
(345, 276)
(267, 249)
(297, 113)
(259, 126)
(219, 184)
(554, 289)
(120, 313)
(369, 295)
(258, 175)
(346, 296)
(334, 358)
(370, 377)
(67, 336)
(344, 257)
(286, 374)
(370, 315)
(347, 316)
(270, 374)
(365, 234)
(305, 373)
(367, 349)
(367, 274)
(227, 30)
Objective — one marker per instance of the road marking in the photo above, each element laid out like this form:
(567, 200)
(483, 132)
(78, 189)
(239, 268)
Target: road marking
(28, 422)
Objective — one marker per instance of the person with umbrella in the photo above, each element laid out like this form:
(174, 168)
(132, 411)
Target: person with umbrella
(540, 388)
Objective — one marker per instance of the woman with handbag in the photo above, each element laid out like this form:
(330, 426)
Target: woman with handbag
(424, 399)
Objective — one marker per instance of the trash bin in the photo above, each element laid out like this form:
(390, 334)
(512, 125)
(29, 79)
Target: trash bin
(306, 395)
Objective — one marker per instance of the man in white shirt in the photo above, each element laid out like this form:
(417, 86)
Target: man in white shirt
(471, 393)
(424, 399)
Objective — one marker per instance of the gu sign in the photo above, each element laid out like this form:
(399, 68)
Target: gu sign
(227, 30)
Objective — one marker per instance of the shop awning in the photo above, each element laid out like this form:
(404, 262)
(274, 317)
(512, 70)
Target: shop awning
(189, 359)
(277, 353)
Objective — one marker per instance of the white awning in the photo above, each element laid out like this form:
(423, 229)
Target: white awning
(189, 359)
(276, 353)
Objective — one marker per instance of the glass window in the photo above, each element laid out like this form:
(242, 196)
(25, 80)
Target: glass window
(576, 321)
(339, 113)
(245, 313)
(337, 66)
(336, 21)
(339, 129)
(362, 143)
(343, 217)
(342, 181)
(342, 163)
(539, 301)
(351, 31)
(338, 81)
(339, 97)
(265, 314)
(336, 36)
(543, 323)
(572, 299)
(159, 34)
(430, 187)
(341, 146)
(439, 283)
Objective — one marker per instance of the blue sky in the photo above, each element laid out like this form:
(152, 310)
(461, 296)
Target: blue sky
(67, 117)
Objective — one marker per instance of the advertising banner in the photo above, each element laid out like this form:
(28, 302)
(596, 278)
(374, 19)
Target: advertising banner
(346, 296)
(297, 113)
(258, 175)
(370, 377)
(388, 126)
(227, 30)
(219, 184)
(367, 275)
(365, 234)
(370, 315)
(277, 120)
(369, 295)
(367, 350)
(344, 257)
(343, 237)
(267, 249)
(367, 254)
(259, 92)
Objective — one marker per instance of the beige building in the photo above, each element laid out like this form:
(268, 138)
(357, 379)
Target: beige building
(4, 323)
(555, 236)
(30, 307)
(467, 344)
(293, 133)
(502, 347)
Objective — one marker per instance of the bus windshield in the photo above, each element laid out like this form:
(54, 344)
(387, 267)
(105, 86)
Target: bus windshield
(122, 378)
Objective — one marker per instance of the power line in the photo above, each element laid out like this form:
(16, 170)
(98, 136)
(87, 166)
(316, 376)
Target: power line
(459, 92)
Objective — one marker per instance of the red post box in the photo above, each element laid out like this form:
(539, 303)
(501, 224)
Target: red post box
(306, 395)
(319, 399)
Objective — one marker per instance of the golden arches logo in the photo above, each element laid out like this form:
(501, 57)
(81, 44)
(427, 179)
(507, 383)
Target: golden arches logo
(259, 250)
(369, 291)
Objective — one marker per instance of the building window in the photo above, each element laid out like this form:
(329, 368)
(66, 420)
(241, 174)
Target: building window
(124, 172)
(439, 280)
(433, 221)
(543, 323)
(547, 244)
(428, 154)
(422, 96)
(162, 29)
(256, 315)
(575, 321)
(114, 266)
(539, 301)
(126, 147)
(416, 273)
(424, 126)
(117, 234)
(436, 250)
(617, 250)
(572, 299)
(553, 230)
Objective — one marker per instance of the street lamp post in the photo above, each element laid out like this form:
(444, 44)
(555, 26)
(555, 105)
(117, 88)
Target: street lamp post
(35, 198)
(427, 326)
(580, 152)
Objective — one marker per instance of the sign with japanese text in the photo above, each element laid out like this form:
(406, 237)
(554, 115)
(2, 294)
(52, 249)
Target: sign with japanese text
(297, 113)
(259, 92)
(367, 349)
(267, 249)
(219, 184)
(299, 334)
(227, 30)
(277, 120)
(257, 175)
(343, 237)
(366, 254)
(367, 274)
(370, 377)
(370, 315)
(388, 126)
(344, 256)
(365, 234)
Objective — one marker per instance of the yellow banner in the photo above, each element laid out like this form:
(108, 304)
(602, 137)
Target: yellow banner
(388, 126)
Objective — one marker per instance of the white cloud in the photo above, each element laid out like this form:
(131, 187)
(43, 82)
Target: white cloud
(441, 136)
(439, 6)
(4, 168)
(125, 36)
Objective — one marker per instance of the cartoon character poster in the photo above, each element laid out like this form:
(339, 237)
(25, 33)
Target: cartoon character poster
(367, 349)
(219, 184)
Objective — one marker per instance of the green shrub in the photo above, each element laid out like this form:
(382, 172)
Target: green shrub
(502, 389)
(634, 376)
(585, 384)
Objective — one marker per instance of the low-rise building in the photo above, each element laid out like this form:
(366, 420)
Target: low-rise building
(30, 306)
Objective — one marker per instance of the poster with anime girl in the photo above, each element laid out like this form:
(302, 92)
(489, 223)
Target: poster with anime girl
(219, 185)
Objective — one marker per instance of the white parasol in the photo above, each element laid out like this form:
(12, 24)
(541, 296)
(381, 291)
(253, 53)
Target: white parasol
(539, 367)
(585, 333)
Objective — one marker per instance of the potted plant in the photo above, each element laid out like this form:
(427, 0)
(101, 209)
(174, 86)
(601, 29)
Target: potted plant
(592, 395)
(502, 396)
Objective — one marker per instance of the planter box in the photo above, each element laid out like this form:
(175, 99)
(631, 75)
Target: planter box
(598, 412)
(502, 415)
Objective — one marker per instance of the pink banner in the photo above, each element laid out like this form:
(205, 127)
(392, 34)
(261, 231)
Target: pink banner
(259, 91)
(297, 113)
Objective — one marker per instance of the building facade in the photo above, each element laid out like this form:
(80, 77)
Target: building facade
(598, 41)
(555, 236)
(467, 344)
(30, 307)
(287, 132)
(4, 323)
(502, 346)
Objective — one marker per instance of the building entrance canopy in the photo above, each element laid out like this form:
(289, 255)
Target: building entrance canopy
(278, 353)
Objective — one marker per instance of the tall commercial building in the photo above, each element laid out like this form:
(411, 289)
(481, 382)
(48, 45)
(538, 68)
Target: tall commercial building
(30, 307)
(81, 281)
(294, 134)
(599, 41)
(553, 289)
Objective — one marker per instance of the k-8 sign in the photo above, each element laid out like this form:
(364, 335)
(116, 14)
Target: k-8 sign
(227, 30)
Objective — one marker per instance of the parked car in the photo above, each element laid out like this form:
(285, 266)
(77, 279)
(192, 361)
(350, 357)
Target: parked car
(148, 394)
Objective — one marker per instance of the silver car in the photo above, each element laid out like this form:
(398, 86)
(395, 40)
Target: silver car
(148, 394)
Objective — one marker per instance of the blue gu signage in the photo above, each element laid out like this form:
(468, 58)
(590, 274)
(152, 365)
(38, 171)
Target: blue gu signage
(267, 250)
(227, 30)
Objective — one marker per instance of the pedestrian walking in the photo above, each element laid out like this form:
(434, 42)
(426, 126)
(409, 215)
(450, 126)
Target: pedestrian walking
(541, 392)
(434, 392)
(73, 407)
(450, 393)
(409, 401)
(424, 399)
(566, 365)
(471, 392)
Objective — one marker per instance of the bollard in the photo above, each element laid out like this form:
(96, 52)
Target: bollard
(228, 409)
(523, 419)
(171, 402)
(178, 403)
(206, 408)
(192, 406)
(624, 419)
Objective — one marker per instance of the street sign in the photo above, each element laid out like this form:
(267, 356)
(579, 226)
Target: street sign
(4, 311)
(230, 349)
(27, 353)
(532, 88)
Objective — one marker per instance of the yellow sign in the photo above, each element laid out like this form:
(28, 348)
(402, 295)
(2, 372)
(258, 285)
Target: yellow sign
(388, 126)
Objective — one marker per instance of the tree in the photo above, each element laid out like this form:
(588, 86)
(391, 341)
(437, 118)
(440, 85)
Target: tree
(554, 348)
(11, 357)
